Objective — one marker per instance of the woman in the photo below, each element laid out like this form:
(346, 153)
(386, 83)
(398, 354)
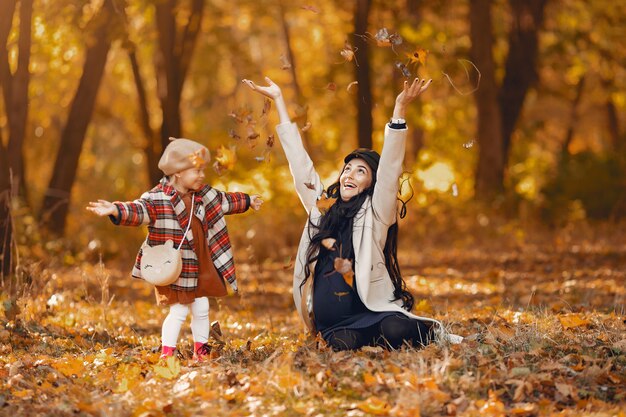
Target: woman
(360, 228)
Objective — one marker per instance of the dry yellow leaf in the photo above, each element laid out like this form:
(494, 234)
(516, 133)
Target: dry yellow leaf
(573, 320)
(375, 405)
(170, 370)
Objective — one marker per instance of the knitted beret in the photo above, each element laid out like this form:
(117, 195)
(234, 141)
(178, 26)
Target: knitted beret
(182, 154)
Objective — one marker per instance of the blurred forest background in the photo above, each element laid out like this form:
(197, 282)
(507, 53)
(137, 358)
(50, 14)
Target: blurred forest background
(525, 117)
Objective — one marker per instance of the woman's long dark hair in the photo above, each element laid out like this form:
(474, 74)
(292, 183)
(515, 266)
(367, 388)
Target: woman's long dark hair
(335, 218)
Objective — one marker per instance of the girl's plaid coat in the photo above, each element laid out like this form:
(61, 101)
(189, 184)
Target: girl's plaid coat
(164, 212)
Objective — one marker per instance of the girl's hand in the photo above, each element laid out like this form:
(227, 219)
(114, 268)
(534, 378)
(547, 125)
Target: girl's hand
(408, 94)
(272, 90)
(102, 208)
(255, 202)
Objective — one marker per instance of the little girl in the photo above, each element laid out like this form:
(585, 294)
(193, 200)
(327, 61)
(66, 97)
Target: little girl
(206, 250)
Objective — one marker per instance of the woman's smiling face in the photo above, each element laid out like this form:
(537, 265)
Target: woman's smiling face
(355, 178)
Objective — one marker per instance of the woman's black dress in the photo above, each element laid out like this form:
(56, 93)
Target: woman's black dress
(336, 305)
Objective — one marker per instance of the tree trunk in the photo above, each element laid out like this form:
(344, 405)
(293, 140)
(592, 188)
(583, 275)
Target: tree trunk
(56, 200)
(294, 75)
(173, 60)
(152, 145)
(616, 144)
(7, 8)
(362, 70)
(573, 118)
(521, 64)
(19, 99)
(6, 228)
(490, 170)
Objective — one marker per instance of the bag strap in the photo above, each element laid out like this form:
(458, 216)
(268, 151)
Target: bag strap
(188, 223)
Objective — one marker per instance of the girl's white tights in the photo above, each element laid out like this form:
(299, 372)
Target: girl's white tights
(178, 315)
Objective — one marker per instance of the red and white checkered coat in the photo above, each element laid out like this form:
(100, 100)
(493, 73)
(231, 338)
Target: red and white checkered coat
(164, 212)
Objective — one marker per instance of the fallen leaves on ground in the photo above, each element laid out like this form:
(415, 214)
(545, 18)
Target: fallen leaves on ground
(544, 329)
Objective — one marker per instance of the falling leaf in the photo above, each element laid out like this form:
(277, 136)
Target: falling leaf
(170, 370)
(309, 185)
(573, 320)
(270, 141)
(284, 62)
(324, 203)
(329, 243)
(344, 267)
(267, 105)
(418, 56)
(311, 8)
(252, 137)
(241, 114)
(352, 84)
(469, 144)
(405, 190)
(306, 127)
(288, 264)
(225, 159)
(331, 86)
(233, 134)
(455, 190)
(383, 38)
(404, 69)
(198, 158)
(348, 53)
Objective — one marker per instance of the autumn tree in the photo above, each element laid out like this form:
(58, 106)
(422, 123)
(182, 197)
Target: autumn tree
(15, 94)
(362, 72)
(100, 34)
(499, 106)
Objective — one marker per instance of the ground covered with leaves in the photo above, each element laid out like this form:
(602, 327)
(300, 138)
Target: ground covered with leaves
(544, 322)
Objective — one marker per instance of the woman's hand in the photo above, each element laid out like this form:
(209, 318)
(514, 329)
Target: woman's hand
(408, 94)
(272, 90)
(102, 208)
(256, 202)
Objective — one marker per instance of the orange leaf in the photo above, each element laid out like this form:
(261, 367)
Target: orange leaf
(324, 203)
(344, 267)
(369, 379)
(171, 370)
(224, 160)
(418, 56)
(572, 320)
(328, 243)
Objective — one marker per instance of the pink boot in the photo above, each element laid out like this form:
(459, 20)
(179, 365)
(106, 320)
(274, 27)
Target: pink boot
(201, 351)
(167, 351)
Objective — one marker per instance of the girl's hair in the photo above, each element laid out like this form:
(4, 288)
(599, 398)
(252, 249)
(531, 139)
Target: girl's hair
(341, 214)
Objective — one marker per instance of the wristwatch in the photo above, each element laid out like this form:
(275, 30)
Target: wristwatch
(397, 123)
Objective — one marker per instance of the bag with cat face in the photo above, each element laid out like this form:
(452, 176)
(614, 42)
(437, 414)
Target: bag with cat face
(161, 265)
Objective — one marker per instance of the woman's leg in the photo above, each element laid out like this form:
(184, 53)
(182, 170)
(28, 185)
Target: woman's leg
(348, 339)
(397, 329)
(171, 326)
(200, 320)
